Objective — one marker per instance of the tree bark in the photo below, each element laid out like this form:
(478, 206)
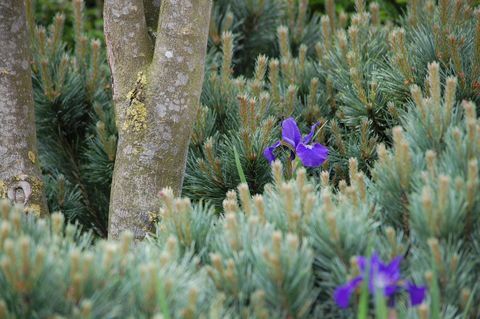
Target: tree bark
(156, 89)
(20, 176)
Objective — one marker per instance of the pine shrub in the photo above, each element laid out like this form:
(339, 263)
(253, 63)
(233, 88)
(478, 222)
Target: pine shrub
(75, 123)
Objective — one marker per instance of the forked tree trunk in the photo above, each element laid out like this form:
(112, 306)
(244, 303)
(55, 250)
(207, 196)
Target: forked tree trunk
(20, 177)
(156, 87)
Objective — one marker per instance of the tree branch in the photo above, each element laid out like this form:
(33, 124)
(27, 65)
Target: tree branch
(176, 78)
(179, 54)
(129, 48)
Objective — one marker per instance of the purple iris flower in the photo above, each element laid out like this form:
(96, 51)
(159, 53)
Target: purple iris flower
(311, 154)
(382, 277)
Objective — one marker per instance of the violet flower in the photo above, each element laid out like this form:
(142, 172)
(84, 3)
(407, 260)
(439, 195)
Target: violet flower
(310, 154)
(382, 277)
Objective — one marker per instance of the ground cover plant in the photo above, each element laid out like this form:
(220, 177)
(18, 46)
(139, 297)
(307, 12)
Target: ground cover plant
(332, 173)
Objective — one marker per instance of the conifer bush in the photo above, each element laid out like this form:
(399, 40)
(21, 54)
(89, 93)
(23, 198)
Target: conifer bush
(394, 103)
(75, 123)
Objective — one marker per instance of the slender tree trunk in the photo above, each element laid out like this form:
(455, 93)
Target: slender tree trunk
(156, 85)
(20, 176)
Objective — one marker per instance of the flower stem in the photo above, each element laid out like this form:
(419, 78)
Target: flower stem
(288, 169)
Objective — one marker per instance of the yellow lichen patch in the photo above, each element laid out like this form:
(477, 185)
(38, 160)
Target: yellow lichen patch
(137, 92)
(3, 189)
(31, 156)
(37, 185)
(142, 79)
(4, 71)
(153, 217)
(136, 117)
(34, 209)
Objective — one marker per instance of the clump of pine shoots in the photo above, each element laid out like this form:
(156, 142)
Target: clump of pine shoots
(394, 103)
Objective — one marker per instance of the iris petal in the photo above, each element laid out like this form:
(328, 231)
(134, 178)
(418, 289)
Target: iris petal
(390, 290)
(342, 293)
(290, 132)
(362, 263)
(383, 277)
(417, 293)
(268, 152)
(393, 268)
(312, 155)
(375, 261)
(373, 277)
(308, 138)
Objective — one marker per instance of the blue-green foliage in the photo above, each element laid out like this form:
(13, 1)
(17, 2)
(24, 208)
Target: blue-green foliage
(75, 125)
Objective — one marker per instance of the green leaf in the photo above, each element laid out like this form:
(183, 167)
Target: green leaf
(381, 311)
(469, 302)
(363, 303)
(434, 293)
(163, 302)
(239, 166)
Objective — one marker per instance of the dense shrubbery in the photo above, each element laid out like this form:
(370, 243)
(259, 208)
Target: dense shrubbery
(75, 124)
(389, 9)
(402, 176)
(45, 10)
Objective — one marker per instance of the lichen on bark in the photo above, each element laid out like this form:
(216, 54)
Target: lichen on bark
(136, 114)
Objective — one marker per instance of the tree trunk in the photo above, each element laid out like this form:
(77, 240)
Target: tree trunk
(20, 176)
(156, 87)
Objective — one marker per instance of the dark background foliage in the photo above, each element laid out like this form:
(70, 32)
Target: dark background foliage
(390, 8)
(46, 10)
